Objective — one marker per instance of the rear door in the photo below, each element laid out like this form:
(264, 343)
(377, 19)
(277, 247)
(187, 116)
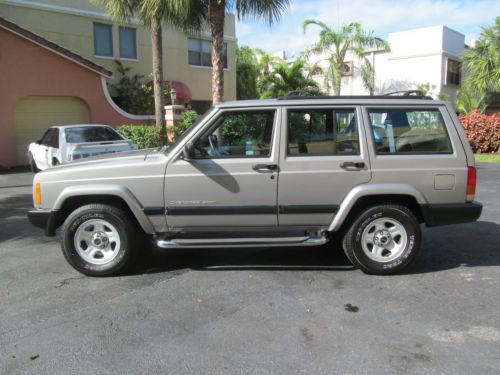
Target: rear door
(231, 178)
(323, 155)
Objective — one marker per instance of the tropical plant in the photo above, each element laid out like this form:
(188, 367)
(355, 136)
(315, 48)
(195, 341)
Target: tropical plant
(247, 73)
(269, 10)
(285, 78)
(482, 66)
(183, 14)
(134, 93)
(336, 44)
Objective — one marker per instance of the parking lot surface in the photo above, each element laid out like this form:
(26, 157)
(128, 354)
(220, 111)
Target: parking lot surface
(251, 311)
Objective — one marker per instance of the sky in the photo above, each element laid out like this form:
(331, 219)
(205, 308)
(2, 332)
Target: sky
(379, 16)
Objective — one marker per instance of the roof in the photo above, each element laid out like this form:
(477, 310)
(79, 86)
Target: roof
(53, 47)
(343, 100)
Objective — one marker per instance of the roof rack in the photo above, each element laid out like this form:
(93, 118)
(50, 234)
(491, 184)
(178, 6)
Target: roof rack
(410, 94)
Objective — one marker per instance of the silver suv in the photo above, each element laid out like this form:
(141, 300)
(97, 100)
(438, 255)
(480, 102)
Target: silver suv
(360, 172)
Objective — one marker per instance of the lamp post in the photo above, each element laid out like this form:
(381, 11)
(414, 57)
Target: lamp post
(173, 96)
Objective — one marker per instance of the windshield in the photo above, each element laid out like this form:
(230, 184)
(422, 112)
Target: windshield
(171, 145)
(84, 134)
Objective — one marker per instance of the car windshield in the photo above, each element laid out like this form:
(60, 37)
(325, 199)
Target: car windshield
(84, 134)
(171, 145)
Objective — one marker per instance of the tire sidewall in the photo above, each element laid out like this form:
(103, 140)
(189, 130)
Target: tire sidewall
(413, 239)
(75, 221)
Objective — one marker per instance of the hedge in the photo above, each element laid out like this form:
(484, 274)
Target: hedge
(143, 136)
(483, 131)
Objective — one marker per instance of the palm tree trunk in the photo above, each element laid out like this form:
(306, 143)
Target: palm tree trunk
(216, 14)
(159, 94)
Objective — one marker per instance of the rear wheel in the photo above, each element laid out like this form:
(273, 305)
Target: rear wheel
(383, 239)
(99, 240)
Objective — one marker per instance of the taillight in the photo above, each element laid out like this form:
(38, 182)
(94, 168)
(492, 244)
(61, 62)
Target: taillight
(471, 183)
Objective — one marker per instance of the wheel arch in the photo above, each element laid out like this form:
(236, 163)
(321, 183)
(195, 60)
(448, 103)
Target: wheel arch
(74, 197)
(369, 195)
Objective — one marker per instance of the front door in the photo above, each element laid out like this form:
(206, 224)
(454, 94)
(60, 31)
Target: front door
(323, 155)
(231, 177)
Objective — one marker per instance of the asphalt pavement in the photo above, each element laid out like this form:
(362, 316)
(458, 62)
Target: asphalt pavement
(251, 311)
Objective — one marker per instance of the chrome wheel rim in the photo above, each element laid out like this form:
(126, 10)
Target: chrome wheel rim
(97, 241)
(384, 240)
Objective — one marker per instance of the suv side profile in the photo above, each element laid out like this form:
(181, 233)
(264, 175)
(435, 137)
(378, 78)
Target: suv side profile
(362, 172)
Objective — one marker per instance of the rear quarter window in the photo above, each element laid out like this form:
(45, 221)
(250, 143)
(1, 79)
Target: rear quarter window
(409, 131)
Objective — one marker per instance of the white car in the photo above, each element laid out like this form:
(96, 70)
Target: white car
(62, 144)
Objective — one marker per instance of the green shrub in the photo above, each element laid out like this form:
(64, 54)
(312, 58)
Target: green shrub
(143, 136)
(187, 119)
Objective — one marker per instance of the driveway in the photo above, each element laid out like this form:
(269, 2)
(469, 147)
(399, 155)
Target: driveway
(251, 311)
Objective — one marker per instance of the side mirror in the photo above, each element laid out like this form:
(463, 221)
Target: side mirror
(187, 152)
(38, 141)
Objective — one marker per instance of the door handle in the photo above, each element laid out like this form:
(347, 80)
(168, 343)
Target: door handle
(352, 166)
(265, 167)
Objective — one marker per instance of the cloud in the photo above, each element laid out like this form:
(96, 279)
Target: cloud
(380, 16)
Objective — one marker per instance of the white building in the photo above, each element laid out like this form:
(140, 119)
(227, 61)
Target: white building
(420, 56)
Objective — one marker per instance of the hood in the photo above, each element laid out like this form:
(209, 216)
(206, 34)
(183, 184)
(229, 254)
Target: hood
(110, 160)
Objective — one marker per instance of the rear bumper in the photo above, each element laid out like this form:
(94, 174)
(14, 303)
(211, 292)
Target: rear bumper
(44, 219)
(455, 213)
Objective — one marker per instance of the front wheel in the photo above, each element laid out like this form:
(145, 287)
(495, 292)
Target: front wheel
(383, 239)
(98, 240)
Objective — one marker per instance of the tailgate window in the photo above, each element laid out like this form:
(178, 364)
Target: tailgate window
(91, 134)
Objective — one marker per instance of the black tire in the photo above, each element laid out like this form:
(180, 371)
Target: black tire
(55, 162)
(408, 243)
(33, 165)
(118, 220)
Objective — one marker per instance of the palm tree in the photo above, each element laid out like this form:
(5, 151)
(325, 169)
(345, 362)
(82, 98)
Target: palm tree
(185, 15)
(270, 10)
(336, 44)
(284, 78)
(482, 65)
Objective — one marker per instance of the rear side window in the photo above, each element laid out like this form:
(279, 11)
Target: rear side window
(409, 131)
(322, 132)
(91, 134)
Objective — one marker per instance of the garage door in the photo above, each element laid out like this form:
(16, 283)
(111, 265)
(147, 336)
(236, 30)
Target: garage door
(34, 114)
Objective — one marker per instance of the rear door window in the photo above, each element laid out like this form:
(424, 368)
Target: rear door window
(409, 131)
(91, 134)
(322, 132)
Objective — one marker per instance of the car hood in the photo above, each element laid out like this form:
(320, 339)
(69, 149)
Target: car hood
(110, 160)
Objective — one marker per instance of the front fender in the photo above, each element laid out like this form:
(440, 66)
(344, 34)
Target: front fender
(371, 190)
(103, 189)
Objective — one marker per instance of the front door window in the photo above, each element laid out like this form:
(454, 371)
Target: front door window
(237, 135)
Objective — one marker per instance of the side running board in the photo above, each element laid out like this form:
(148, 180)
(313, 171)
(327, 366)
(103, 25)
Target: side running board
(186, 243)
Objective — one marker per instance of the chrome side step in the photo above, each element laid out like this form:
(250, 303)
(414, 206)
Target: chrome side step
(186, 243)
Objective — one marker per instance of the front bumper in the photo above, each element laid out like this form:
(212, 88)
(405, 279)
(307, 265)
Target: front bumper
(45, 219)
(455, 213)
